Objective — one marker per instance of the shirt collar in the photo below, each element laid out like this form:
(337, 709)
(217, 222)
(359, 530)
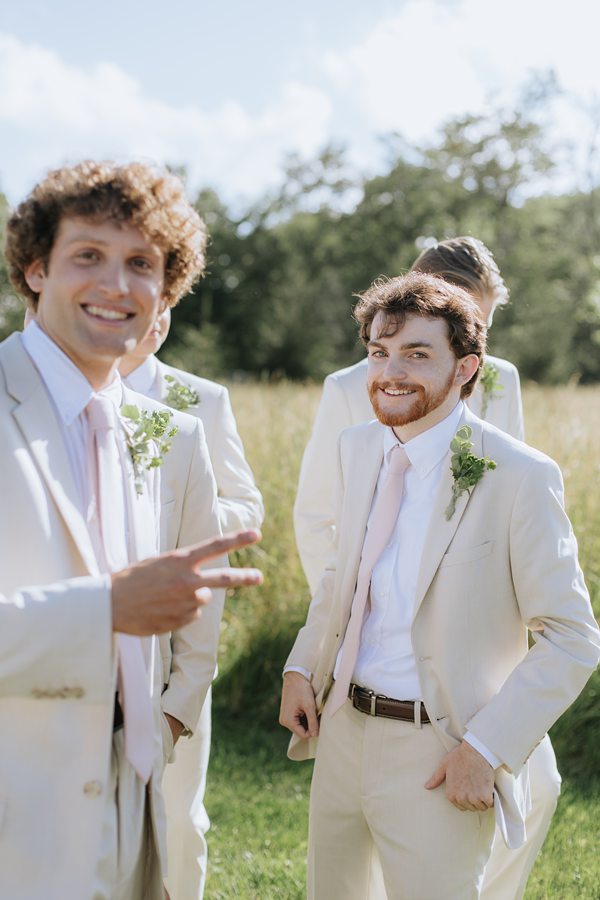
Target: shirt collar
(427, 450)
(142, 379)
(65, 382)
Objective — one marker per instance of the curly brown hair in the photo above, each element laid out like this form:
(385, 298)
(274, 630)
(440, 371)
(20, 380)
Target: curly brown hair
(144, 196)
(417, 294)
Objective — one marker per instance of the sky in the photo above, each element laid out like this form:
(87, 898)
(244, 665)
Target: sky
(227, 88)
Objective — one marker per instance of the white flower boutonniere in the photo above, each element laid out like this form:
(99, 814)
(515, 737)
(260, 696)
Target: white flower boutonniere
(179, 395)
(467, 469)
(148, 437)
(490, 385)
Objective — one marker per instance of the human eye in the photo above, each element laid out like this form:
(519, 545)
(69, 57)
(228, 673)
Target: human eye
(141, 264)
(377, 353)
(86, 255)
(418, 354)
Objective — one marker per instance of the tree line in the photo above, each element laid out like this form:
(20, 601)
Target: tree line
(277, 297)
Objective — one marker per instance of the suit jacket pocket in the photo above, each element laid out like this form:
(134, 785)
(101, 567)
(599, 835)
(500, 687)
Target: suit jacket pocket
(470, 554)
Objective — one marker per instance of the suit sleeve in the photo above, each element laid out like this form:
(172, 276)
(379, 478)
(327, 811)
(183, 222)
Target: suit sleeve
(56, 641)
(555, 606)
(307, 648)
(240, 502)
(314, 509)
(517, 425)
(194, 647)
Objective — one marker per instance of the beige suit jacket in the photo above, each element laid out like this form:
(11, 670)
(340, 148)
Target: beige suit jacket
(506, 562)
(189, 655)
(240, 501)
(345, 402)
(57, 666)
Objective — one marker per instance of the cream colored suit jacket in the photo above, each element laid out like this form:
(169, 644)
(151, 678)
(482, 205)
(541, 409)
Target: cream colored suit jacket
(345, 402)
(57, 666)
(240, 501)
(506, 562)
(189, 655)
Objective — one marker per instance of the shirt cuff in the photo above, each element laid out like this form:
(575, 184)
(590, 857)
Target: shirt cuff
(305, 672)
(490, 757)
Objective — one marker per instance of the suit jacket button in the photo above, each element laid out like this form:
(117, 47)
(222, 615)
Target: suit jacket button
(92, 789)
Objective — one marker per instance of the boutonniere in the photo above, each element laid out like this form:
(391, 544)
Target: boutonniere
(490, 385)
(148, 438)
(466, 468)
(179, 395)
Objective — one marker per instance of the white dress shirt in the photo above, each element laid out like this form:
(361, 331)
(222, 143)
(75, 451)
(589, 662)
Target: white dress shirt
(386, 662)
(145, 379)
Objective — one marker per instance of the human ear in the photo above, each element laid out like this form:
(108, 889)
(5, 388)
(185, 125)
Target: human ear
(34, 276)
(466, 368)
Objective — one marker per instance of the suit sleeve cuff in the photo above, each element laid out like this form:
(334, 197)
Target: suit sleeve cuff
(305, 672)
(490, 757)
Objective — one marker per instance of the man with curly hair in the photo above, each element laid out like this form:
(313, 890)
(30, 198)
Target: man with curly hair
(412, 682)
(97, 250)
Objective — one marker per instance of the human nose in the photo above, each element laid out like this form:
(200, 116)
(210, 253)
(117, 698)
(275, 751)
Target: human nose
(395, 368)
(114, 281)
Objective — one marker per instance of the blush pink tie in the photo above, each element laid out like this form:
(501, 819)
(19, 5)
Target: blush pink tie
(134, 688)
(379, 531)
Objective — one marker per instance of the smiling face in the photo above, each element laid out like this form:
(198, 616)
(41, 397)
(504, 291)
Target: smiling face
(414, 378)
(100, 293)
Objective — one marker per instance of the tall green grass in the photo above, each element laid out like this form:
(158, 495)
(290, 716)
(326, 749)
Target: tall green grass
(256, 798)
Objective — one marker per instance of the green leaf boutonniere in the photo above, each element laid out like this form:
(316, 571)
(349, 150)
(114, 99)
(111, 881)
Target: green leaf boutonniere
(466, 468)
(490, 385)
(148, 438)
(179, 395)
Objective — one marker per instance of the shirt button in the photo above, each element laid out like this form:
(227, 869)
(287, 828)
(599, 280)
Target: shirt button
(92, 789)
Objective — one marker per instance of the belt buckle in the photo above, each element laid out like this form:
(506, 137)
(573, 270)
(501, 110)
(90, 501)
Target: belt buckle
(373, 698)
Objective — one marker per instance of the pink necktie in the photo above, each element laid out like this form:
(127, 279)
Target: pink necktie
(381, 526)
(134, 688)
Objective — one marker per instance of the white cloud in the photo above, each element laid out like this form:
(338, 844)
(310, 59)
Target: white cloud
(51, 112)
(433, 60)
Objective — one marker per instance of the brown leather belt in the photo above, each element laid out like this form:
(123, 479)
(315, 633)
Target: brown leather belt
(378, 705)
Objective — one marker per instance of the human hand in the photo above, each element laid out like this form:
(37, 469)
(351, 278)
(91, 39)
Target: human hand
(165, 592)
(298, 710)
(175, 725)
(469, 778)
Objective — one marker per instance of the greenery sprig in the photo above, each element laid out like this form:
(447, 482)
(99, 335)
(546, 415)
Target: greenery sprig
(148, 438)
(490, 385)
(179, 395)
(467, 469)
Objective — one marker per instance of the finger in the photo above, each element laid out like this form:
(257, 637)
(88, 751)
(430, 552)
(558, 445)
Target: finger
(229, 577)
(312, 720)
(438, 777)
(220, 545)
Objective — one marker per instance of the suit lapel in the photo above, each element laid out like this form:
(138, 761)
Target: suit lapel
(441, 531)
(36, 418)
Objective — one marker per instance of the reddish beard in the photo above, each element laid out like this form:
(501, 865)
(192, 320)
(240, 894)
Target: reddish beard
(417, 405)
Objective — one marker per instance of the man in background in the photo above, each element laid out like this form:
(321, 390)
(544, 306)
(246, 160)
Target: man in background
(239, 507)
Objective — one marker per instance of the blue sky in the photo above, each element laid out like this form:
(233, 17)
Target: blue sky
(228, 87)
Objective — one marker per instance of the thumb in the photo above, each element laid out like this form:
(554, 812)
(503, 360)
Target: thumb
(438, 777)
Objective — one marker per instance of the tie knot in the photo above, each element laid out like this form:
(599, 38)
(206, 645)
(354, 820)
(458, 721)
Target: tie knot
(399, 461)
(101, 413)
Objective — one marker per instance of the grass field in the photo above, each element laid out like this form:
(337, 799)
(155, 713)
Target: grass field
(256, 798)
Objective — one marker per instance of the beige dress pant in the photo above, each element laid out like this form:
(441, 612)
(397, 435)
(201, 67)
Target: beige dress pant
(128, 867)
(184, 783)
(507, 871)
(368, 808)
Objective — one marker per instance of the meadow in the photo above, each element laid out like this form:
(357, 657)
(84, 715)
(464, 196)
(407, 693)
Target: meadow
(256, 798)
